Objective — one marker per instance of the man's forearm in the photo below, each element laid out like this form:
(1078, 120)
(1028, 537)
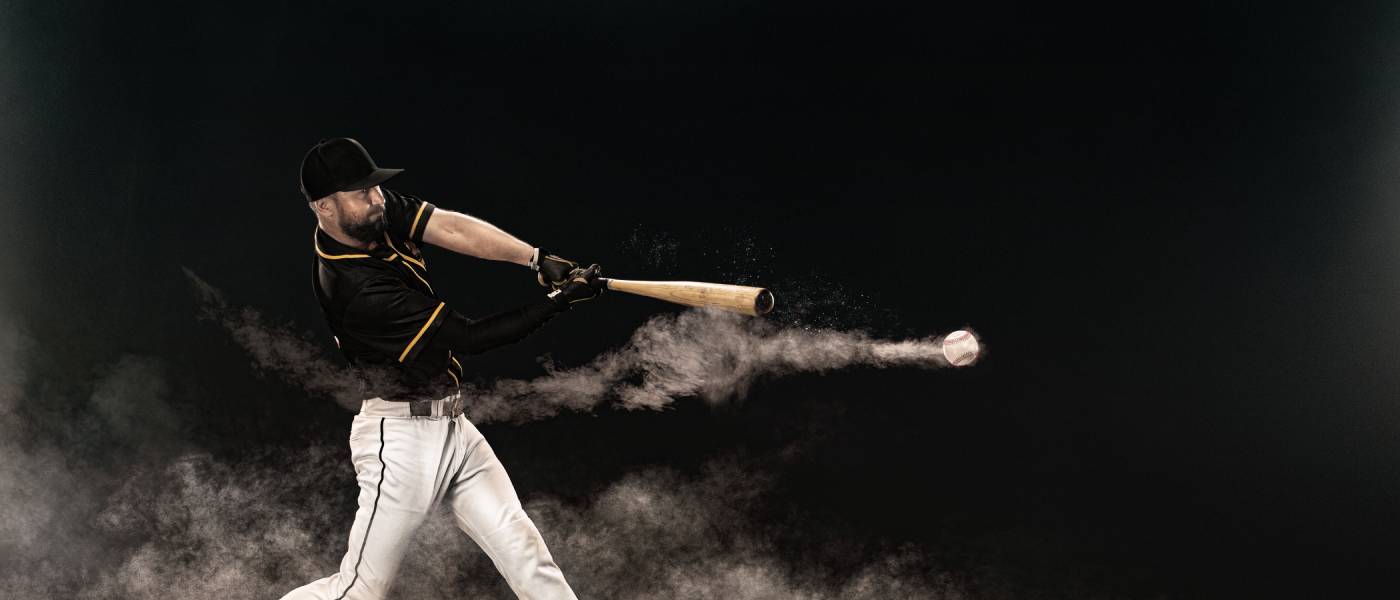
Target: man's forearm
(468, 336)
(471, 236)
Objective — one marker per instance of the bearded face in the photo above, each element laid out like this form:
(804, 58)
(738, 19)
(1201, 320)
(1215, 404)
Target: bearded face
(360, 214)
(367, 228)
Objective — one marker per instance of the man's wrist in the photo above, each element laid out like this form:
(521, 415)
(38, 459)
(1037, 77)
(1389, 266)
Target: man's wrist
(534, 263)
(556, 300)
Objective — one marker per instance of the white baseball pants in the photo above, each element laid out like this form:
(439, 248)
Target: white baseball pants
(405, 466)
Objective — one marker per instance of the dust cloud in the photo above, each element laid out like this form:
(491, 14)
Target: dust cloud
(106, 494)
(709, 354)
(93, 509)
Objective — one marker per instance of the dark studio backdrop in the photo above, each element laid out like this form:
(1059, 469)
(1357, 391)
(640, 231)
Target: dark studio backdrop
(1173, 227)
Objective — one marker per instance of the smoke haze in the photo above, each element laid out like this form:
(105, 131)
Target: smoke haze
(109, 498)
(709, 354)
(145, 519)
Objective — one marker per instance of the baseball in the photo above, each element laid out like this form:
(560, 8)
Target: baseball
(960, 348)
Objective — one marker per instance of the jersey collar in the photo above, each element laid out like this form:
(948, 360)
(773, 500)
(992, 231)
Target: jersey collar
(328, 248)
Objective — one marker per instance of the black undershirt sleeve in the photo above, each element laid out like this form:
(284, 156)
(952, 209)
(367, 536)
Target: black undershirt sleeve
(473, 336)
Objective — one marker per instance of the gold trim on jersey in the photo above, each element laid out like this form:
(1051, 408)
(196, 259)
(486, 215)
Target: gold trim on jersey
(431, 318)
(415, 274)
(459, 367)
(403, 254)
(414, 227)
(329, 256)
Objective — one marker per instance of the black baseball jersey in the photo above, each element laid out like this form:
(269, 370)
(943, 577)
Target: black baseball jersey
(382, 309)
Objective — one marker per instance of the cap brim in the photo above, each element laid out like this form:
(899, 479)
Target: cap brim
(377, 177)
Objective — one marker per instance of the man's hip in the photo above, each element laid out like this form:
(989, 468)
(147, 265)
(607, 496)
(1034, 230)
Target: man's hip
(450, 406)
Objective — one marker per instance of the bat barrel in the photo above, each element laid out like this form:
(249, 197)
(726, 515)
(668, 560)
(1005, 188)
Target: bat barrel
(763, 302)
(735, 298)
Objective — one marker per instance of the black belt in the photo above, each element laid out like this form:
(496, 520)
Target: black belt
(451, 406)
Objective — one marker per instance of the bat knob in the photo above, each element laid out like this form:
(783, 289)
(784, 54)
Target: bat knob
(763, 302)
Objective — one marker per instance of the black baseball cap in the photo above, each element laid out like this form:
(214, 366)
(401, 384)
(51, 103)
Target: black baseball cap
(339, 165)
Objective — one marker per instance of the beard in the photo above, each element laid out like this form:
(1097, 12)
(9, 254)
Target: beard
(365, 231)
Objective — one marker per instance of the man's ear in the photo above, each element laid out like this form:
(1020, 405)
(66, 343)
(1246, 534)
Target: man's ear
(324, 206)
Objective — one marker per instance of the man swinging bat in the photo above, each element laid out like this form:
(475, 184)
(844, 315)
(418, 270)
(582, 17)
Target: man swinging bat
(410, 443)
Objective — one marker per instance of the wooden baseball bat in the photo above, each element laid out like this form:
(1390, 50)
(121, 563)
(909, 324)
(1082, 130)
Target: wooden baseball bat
(742, 299)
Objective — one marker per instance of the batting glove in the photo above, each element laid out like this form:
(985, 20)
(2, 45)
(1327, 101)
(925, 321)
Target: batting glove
(552, 271)
(582, 284)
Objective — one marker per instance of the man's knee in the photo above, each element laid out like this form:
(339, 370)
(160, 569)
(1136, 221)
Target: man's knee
(520, 553)
(518, 533)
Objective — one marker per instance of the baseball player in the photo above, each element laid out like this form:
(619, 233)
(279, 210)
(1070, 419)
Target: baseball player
(410, 443)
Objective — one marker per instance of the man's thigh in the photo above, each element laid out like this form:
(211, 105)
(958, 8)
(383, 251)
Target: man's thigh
(486, 507)
(396, 487)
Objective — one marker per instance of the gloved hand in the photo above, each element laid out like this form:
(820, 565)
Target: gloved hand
(553, 271)
(582, 284)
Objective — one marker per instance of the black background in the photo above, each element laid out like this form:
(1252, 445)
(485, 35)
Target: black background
(1172, 226)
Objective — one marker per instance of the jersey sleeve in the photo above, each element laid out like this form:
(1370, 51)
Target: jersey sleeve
(406, 215)
(474, 336)
(393, 319)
